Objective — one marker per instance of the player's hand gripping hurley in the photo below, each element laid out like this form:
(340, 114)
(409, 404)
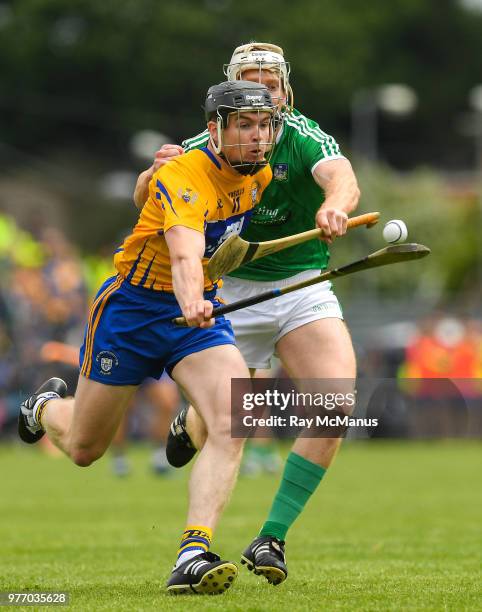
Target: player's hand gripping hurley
(235, 251)
(384, 257)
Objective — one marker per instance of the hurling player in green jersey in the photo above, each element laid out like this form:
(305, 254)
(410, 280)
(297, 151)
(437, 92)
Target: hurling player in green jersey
(313, 186)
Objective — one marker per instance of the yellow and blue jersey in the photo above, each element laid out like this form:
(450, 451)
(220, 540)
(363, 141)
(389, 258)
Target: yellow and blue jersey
(193, 190)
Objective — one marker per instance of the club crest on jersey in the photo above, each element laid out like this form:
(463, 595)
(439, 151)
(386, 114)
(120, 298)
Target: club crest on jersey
(187, 195)
(280, 172)
(107, 361)
(255, 187)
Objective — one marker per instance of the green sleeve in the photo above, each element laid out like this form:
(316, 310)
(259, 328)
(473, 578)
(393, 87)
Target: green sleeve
(196, 142)
(312, 143)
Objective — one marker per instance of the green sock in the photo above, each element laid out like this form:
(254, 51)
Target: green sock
(299, 482)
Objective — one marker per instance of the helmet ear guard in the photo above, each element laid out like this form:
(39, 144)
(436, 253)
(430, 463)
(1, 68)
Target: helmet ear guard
(219, 129)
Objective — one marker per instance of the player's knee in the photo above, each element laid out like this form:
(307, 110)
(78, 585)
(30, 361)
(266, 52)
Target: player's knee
(83, 457)
(220, 428)
(222, 438)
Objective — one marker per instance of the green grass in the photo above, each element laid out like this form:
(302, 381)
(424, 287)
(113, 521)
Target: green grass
(394, 526)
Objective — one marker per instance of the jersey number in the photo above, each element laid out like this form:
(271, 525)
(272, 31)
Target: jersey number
(236, 204)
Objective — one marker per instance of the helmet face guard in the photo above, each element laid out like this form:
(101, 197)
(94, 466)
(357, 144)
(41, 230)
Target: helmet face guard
(234, 98)
(243, 165)
(261, 56)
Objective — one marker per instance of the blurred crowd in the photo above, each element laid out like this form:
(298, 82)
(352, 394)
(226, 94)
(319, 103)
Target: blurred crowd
(43, 302)
(46, 288)
(445, 347)
(45, 291)
(432, 385)
(443, 363)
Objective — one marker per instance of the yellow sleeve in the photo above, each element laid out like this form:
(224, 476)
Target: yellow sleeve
(184, 200)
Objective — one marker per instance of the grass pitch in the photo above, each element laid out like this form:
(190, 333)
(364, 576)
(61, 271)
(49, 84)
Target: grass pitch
(394, 526)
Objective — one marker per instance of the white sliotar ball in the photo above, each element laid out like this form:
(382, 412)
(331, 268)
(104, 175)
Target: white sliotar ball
(395, 231)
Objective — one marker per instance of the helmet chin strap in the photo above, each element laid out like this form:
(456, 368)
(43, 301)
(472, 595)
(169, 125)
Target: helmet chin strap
(248, 169)
(244, 168)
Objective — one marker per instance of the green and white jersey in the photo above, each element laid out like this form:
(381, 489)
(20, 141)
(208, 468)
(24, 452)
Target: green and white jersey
(290, 202)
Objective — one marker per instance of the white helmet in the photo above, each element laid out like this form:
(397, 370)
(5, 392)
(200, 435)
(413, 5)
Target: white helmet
(260, 56)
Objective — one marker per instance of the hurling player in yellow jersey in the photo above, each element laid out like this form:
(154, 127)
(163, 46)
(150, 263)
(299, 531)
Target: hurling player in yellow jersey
(313, 185)
(193, 205)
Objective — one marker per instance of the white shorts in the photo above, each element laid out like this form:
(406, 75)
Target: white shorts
(258, 328)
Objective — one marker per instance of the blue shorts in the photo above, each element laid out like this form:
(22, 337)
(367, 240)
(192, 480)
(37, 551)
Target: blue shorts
(130, 337)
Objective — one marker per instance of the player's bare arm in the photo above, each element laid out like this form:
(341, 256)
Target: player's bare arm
(141, 190)
(342, 194)
(186, 249)
(165, 153)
